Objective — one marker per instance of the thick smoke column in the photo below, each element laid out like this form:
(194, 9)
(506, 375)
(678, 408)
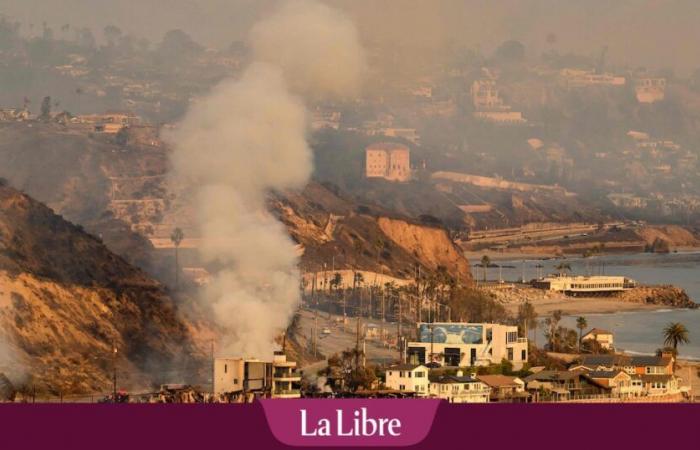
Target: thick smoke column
(249, 137)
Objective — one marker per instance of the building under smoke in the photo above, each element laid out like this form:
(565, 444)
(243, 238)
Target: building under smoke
(388, 160)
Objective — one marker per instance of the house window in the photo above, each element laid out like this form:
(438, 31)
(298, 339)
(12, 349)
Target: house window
(420, 374)
(523, 355)
(510, 353)
(225, 368)
(511, 336)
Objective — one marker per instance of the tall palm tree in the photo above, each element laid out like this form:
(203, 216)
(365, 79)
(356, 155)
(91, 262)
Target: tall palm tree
(527, 317)
(675, 333)
(581, 324)
(485, 263)
(176, 237)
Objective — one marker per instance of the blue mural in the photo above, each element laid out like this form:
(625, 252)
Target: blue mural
(451, 333)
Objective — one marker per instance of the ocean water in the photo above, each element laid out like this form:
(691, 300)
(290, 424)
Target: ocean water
(635, 332)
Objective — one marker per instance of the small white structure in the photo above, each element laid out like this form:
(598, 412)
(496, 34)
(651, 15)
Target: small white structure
(408, 377)
(603, 337)
(460, 389)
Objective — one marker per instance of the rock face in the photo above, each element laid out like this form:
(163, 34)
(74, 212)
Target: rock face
(333, 230)
(659, 295)
(66, 301)
(431, 245)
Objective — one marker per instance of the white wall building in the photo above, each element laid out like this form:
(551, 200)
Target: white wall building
(460, 389)
(585, 285)
(408, 377)
(277, 379)
(467, 344)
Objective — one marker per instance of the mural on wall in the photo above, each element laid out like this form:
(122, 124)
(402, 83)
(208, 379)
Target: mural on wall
(451, 333)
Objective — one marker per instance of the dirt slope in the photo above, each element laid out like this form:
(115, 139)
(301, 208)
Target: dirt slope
(66, 300)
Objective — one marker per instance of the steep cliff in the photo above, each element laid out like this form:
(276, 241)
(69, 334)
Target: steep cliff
(66, 302)
(333, 230)
(431, 245)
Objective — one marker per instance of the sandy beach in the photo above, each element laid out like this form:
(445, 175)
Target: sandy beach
(582, 305)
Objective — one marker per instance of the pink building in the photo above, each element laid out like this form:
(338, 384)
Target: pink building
(388, 160)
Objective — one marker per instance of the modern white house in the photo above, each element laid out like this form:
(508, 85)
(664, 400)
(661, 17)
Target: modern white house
(460, 389)
(408, 377)
(467, 344)
(241, 377)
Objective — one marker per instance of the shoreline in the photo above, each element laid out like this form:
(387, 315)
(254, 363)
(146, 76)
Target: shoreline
(586, 305)
(475, 256)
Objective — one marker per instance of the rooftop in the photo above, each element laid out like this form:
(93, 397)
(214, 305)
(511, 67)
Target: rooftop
(499, 380)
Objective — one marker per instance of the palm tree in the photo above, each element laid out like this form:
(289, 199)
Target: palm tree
(552, 324)
(176, 237)
(527, 317)
(485, 263)
(675, 333)
(581, 324)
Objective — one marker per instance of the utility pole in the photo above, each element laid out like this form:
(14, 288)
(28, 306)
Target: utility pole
(315, 331)
(357, 340)
(213, 367)
(114, 372)
(398, 332)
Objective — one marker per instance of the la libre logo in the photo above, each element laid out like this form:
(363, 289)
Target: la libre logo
(356, 424)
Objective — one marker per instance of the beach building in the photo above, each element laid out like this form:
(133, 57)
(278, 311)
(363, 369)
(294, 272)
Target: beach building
(585, 285)
(505, 388)
(460, 389)
(603, 337)
(408, 378)
(562, 385)
(467, 344)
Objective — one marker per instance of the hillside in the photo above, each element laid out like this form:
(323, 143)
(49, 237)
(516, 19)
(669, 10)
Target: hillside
(66, 300)
(333, 230)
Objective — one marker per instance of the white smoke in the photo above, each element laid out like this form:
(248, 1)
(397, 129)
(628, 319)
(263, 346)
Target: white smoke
(249, 137)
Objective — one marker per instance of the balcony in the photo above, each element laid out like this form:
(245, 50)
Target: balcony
(286, 393)
(287, 376)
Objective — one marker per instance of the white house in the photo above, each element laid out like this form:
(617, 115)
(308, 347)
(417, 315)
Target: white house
(460, 389)
(603, 337)
(408, 377)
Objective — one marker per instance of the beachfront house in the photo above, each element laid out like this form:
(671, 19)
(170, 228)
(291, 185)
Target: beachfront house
(505, 388)
(563, 385)
(460, 389)
(408, 378)
(604, 338)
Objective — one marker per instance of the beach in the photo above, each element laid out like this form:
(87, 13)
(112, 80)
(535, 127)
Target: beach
(544, 306)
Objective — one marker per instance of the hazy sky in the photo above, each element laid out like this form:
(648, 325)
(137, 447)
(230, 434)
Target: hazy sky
(654, 33)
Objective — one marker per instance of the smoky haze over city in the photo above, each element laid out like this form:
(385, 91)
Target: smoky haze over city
(638, 33)
(189, 187)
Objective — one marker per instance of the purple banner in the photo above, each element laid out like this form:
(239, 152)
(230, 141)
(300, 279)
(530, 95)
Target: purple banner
(225, 426)
(350, 422)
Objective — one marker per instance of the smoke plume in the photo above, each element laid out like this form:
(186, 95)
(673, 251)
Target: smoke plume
(246, 138)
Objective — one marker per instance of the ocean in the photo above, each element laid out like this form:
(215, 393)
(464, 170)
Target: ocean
(635, 332)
